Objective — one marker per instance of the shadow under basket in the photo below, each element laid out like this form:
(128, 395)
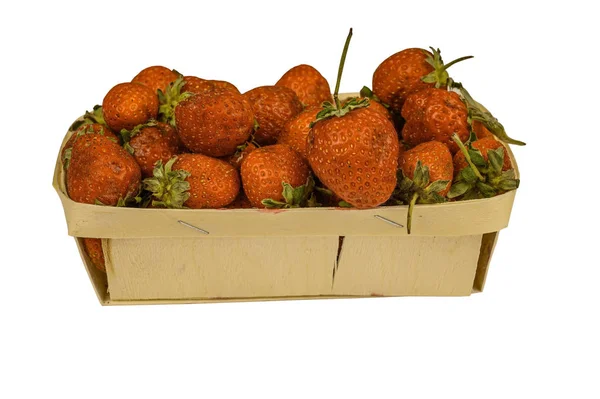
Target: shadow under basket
(218, 255)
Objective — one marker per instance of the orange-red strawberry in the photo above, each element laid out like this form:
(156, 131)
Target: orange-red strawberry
(193, 181)
(435, 114)
(309, 85)
(481, 132)
(93, 248)
(101, 171)
(156, 78)
(214, 123)
(295, 131)
(129, 104)
(407, 72)
(88, 128)
(272, 106)
(435, 156)
(483, 145)
(375, 105)
(151, 142)
(242, 152)
(266, 169)
(198, 86)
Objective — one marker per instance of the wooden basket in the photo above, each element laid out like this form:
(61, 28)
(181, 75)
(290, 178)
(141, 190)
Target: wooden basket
(215, 255)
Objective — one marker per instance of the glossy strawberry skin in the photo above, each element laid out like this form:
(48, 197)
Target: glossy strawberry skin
(214, 123)
(213, 182)
(481, 131)
(295, 131)
(199, 86)
(154, 143)
(400, 75)
(356, 156)
(309, 85)
(93, 128)
(156, 78)
(376, 106)
(435, 114)
(127, 105)
(266, 168)
(100, 170)
(93, 248)
(483, 145)
(272, 106)
(433, 154)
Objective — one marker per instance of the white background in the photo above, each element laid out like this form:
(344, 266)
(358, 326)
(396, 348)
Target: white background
(532, 333)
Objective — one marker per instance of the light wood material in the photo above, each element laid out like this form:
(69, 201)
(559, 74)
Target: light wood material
(398, 266)
(488, 243)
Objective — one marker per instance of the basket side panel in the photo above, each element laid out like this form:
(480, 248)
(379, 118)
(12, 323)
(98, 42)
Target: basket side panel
(400, 266)
(97, 277)
(187, 268)
(488, 243)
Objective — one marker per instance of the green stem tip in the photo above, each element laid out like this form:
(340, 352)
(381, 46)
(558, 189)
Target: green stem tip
(340, 70)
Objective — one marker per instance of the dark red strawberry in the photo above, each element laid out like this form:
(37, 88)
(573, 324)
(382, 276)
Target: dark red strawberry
(101, 171)
(193, 181)
(89, 128)
(151, 142)
(309, 85)
(435, 114)
(295, 131)
(266, 169)
(272, 106)
(156, 78)
(129, 104)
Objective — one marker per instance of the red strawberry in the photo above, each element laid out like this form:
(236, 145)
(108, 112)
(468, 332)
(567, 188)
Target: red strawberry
(309, 85)
(193, 181)
(129, 104)
(481, 132)
(407, 72)
(214, 123)
(375, 105)
(93, 248)
(483, 145)
(435, 114)
(151, 142)
(433, 155)
(272, 106)
(242, 152)
(198, 86)
(101, 171)
(88, 128)
(265, 170)
(156, 78)
(295, 131)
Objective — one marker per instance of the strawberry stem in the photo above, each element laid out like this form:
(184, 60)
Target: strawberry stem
(448, 65)
(340, 70)
(411, 206)
(463, 149)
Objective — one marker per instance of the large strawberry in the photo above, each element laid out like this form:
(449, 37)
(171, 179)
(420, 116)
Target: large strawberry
(482, 169)
(156, 78)
(295, 131)
(268, 171)
(272, 106)
(151, 142)
(86, 128)
(197, 85)
(435, 114)
(309, 85)
(101, 171)
(193, 181)
(127, 105)
(407, 72)
(425, 176)
(353, 150)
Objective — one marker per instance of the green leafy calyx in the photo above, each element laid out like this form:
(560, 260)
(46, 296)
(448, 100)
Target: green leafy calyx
(295, 197)
(439, 75)
(169, 187)
(169, 99)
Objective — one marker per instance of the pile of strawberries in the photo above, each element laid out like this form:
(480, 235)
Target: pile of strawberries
(167, 140)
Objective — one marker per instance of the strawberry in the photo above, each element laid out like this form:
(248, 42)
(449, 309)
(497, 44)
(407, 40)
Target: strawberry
(151, 142)
(242, 152)
(93, 248)
(435, 114)
(198, 86)
(407, 72)
(241, 202)
(481, 132)
(309, 85)
(272, 106)
(88, 128)
(101, 171)
(425, 176)
(266, 169)
(353, 149)
(482, 170)
(295, 131)
(193, 181)
(127, 105)
(156, 78)
(483, 145)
